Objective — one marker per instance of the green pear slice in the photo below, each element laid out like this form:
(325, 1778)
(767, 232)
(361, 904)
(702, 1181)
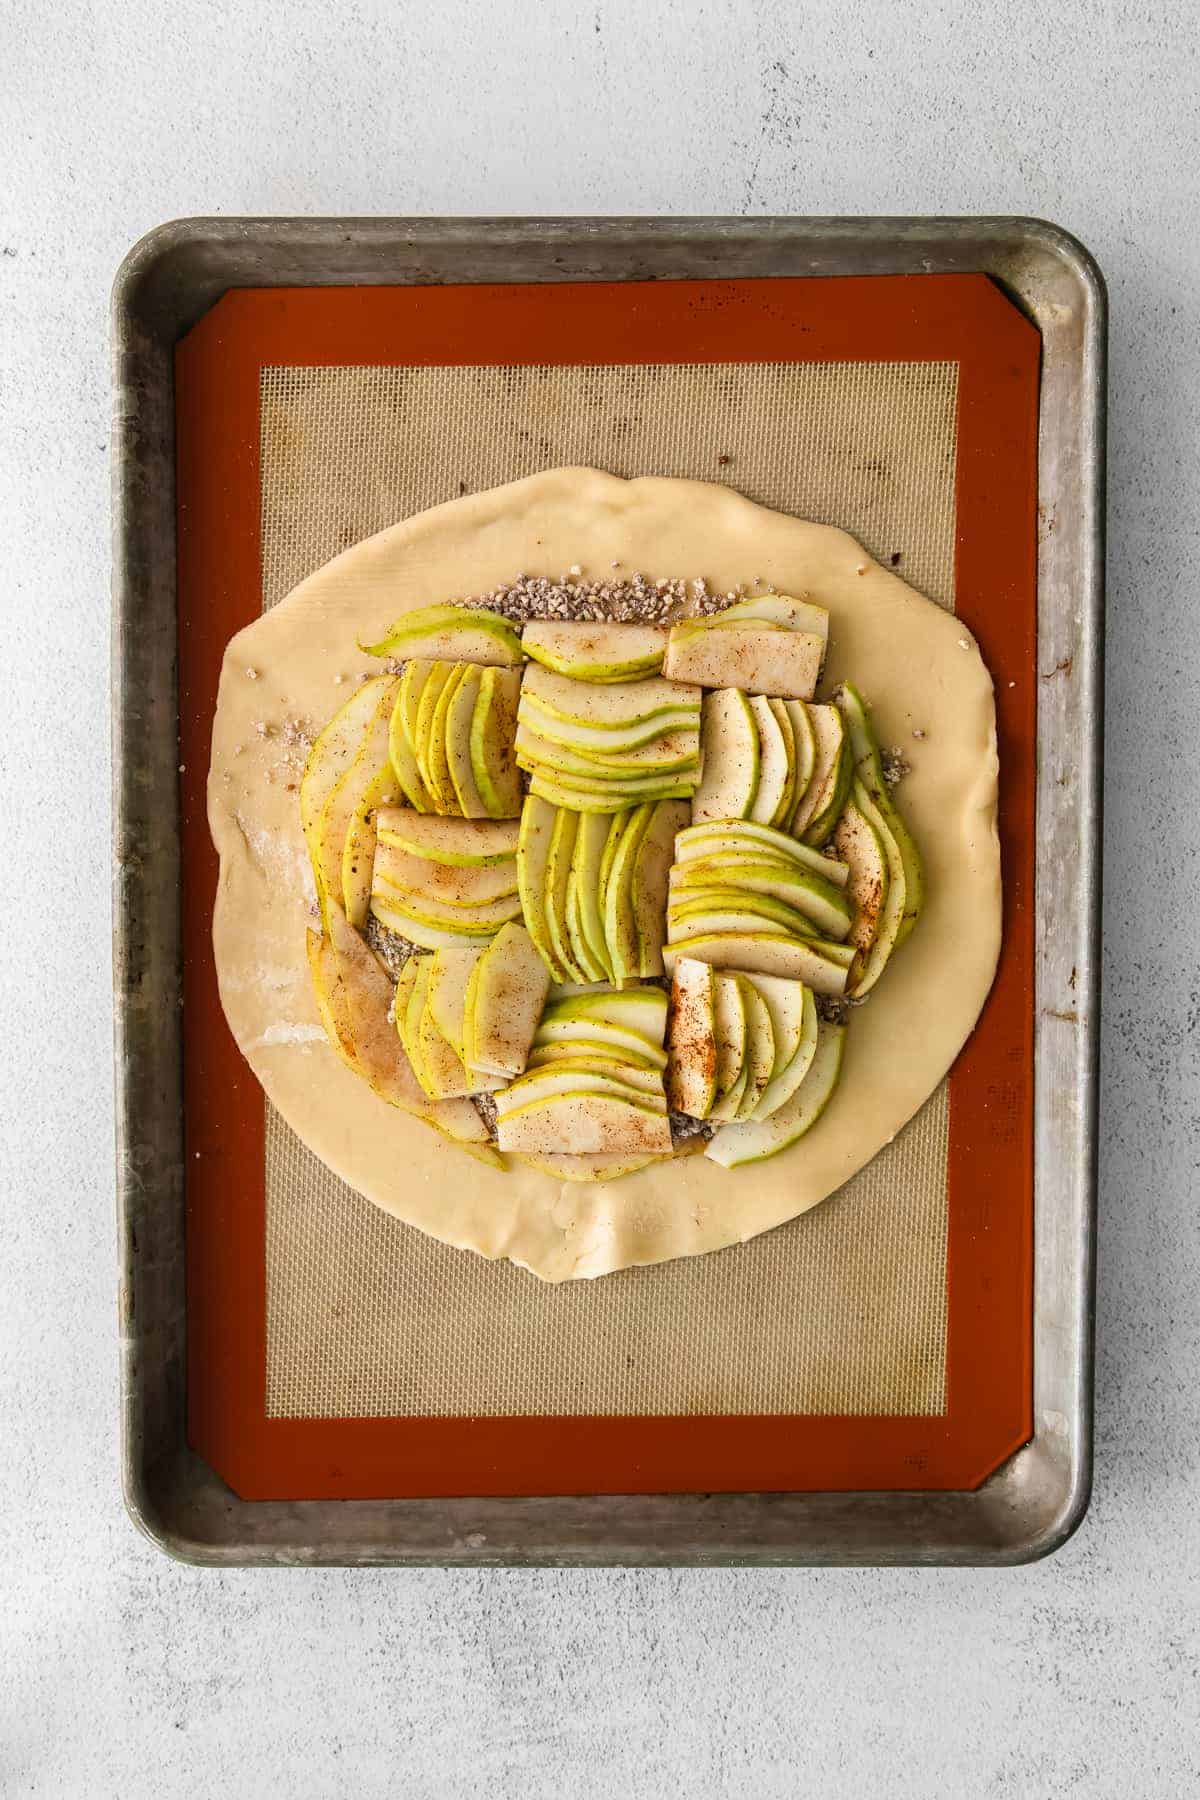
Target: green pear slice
(587, 1044)
(692, 1039)
(674, 751)
(787, 1079)
(448, 884)
(740, 837)
(776, 609)
(726, 909)
(728, 785)
(460, 843)
(605, 740)
(480, 918)
(358, 852)
(766, 953)
(507, 999)
(785, 1002)
(786, 664)
(351, 795)
(597, 780)
(868, 764)
(860, 843)
(890, 920)
(450, 633)
(648, 887)
(378, 1050)
(803, 889)
(533, 850)
(591, 842)
(774, 765)
(620, 923)
(425, 746)
(449, 978)
(441, 1065)
(642, 1009)
(804, 754)
(459, 715)
(595, 652)
(404, 763)
(596, 1031)
(754, 1140)
(588, 1124)
(330, 996)
(493, 732)
(584, 1074)
(558, 876)
(783, 719)
(408, 701)
(729, 1020)
(616, 797)
(442, 783)
(618, 704)
(814, 805)
(333, 752)
(760, 1048)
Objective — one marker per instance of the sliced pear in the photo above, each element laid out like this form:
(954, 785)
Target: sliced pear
(775, 778)
(591, 968)
(425, 744)
(692, 1039)
(408, 701)
(404, 763)
(441, 1065)
(873, 958)
(450, 633)
(450, 884)
(333, 752)
(776, 609)
(815, 802)
(674, 752)
(578, 1075)
(605, 740)
(618, 705)
(642, 1009)
(587, 1042)
(595, 652)
(760, 1048)
(408, 1026)
(864, 746)
(591, 842)
(729, 1018)
(533, 851)
(377, 1047)
(588, 1124)
(753, 1140)
(724, 909)
(760, 660)
(438, 748)
(599, 1034)
(611, 799)
(767, 953)
(507, 999)
(648, 885)
(786, 1080)
(481, 919)
(459, 716)
(783, 718)
(331, 1000)
(449, 979)
(461, 843)
(620, 924)
(804, 752)
(860, 844)
(558, 875)
(738, 837)
(358, 852)
(729, 783)
(493, 732)
(784, 1001)
(791, 883)
(351, 798)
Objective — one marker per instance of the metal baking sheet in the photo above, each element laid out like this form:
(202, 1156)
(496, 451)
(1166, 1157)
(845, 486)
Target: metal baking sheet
(1034, 1502)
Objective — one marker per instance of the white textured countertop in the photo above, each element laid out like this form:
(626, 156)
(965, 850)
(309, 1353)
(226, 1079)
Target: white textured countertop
(124, 1675)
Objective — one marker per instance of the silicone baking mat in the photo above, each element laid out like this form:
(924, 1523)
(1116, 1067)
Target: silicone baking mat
(835, 1351)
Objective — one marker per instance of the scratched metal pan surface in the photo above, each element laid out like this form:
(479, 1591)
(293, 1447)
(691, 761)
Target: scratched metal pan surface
(1035, 1501)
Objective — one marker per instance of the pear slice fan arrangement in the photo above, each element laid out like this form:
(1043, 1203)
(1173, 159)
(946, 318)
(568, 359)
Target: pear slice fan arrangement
(660, 921)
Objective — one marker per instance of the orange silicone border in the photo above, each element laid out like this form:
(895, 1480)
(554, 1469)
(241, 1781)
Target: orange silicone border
(989, 1350)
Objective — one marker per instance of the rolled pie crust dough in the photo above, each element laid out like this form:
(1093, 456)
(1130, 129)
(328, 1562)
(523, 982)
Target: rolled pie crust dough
(916, 665)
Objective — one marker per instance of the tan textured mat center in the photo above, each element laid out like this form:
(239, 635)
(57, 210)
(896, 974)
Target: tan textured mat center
(844, 1310)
